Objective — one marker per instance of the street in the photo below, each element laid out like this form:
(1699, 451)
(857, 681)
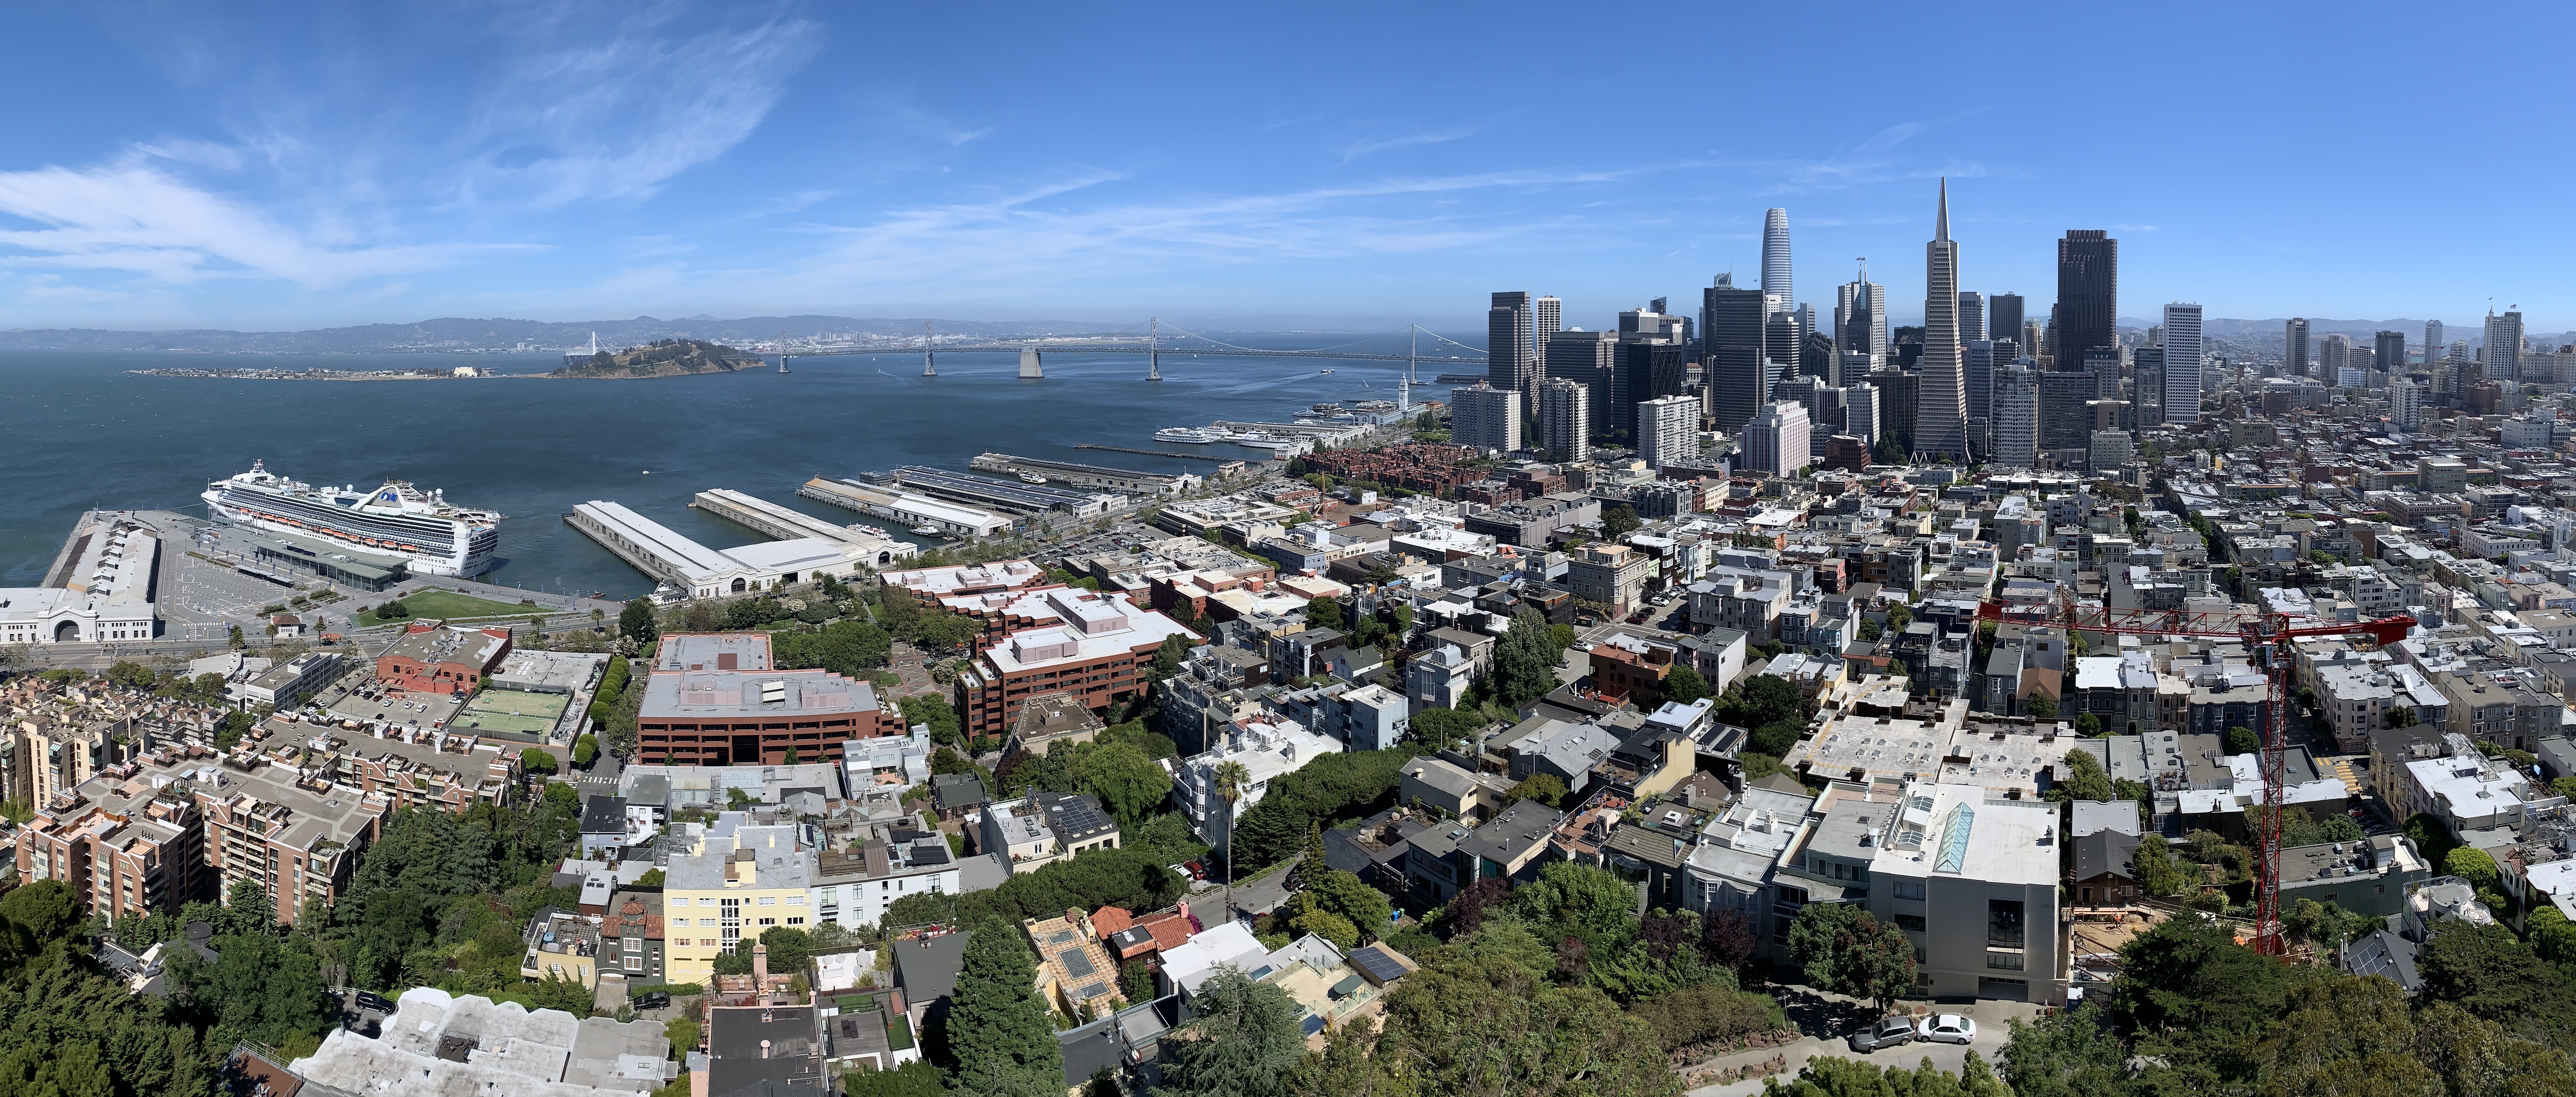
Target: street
(1827, 1019)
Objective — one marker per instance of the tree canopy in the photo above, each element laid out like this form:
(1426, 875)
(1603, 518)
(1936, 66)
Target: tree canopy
(1000, 1037)
(1246, 1041)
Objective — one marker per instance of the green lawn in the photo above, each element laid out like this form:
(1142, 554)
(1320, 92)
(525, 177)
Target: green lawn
(435, 604)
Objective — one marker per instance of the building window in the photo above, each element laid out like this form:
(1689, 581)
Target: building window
(1910, 921)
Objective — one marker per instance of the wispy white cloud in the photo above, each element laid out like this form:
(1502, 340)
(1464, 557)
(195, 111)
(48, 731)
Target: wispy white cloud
(1417, 137)
(615, 119)
(132, 215)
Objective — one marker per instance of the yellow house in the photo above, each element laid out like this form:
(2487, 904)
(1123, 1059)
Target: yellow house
(562, 945)
(738, 881)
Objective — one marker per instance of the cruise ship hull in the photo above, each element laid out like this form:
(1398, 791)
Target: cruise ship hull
(429, 536)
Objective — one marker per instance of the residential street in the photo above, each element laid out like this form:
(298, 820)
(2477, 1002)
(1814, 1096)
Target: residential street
(1815, 1013)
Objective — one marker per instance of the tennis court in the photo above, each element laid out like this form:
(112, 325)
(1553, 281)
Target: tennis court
(512, 711)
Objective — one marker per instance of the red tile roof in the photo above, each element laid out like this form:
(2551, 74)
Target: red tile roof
(1110, 920)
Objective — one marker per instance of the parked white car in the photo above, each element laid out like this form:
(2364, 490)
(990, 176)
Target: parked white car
(1947, 1028)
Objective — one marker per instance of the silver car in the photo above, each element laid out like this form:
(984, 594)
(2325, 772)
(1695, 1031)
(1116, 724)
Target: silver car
(1887, 1032)
(1949, 1028)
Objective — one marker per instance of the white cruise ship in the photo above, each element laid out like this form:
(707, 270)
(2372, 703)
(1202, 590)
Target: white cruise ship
(433, 536)
(1258, 440)
(1190, 435)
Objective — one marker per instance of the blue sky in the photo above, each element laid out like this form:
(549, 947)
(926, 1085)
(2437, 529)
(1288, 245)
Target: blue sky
(271, 165)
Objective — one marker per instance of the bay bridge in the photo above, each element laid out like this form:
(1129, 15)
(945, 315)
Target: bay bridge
(1154, 345)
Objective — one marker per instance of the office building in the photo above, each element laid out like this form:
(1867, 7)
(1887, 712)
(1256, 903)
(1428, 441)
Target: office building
(2088, 293)
(2432, 343)
(1486, 417)
(2294, 347)
(2148, 389)
(2003, 318)
(1817, 359)
(2111, 449)
(1589, 358)
(1093, 651)
(1861, 416)
(2405, 406)
(1775, 262)
(2182, 347)
(1780, 344)
(1565, 419)
(1972, 316)
(2388, 352)
(2065, 409)
(1980, 374)
(1547, 317)
(1896, 389)
(1737, 374)
(1668, 430)
(2503, 350)
(1509, 325)
(1940, 403)
(2015, 423)
(1775, 441)
(1860, 321)
(1648, 369)
(2334, 355)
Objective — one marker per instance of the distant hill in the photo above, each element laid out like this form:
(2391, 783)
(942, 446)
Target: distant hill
(453, 334)
(666, 358)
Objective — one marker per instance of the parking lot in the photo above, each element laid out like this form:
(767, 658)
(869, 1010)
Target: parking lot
(360, 697)
(1827, 1024)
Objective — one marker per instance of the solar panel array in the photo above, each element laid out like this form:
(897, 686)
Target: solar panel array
(1077, 815)
(1076, 964)
(1381, 968)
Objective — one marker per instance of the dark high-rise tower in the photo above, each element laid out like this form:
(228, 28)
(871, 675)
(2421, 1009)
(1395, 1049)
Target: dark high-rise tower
(2388, 352)
(1510, 360)
(1737, 373)
(2003, 316)
(2088, 295)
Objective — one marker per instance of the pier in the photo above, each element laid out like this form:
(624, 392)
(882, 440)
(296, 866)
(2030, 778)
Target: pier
(1009, 496)
(765, 517)
(1090, 476)
(665, 555)
(905, 507)
(1221, 461)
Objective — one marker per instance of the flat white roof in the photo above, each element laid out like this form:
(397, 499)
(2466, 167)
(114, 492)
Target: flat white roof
(658, 539)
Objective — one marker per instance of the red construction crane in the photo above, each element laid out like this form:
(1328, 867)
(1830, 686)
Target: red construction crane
(2267, 636)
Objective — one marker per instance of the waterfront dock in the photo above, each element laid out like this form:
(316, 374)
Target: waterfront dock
(1126, 481)
(905, 507)
(762, 516)
(1222, 462)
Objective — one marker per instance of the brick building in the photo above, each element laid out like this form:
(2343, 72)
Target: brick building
(714, 700)
(135, 850)
(1098, 652)
(441, 659)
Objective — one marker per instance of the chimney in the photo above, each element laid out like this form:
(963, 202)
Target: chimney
(760, 969)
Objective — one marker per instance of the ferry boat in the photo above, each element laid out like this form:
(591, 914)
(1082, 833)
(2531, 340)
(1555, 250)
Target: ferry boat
(925, 531)
(1262, 441)
(430, 534)
(1190, 435)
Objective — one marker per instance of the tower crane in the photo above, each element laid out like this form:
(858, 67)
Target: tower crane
(2268, 637)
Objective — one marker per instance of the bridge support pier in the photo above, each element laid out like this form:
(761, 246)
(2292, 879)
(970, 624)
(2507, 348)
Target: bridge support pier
(1153, 365)
(1030, 368)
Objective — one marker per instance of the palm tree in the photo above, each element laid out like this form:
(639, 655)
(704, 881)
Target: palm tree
(1231, 777)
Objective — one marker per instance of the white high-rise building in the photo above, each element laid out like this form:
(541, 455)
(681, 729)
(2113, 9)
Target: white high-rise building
(2405, 406)
(2016, 419)
(1668, 430)
(1861, 417)
(1940, 394)
(2503, 350)
(1860, 321)
(1565, 419)
(1485, 417)
(1776, 440)
(1549, 319)
(1972, 316)
(2182, 363)
(1775, 261)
